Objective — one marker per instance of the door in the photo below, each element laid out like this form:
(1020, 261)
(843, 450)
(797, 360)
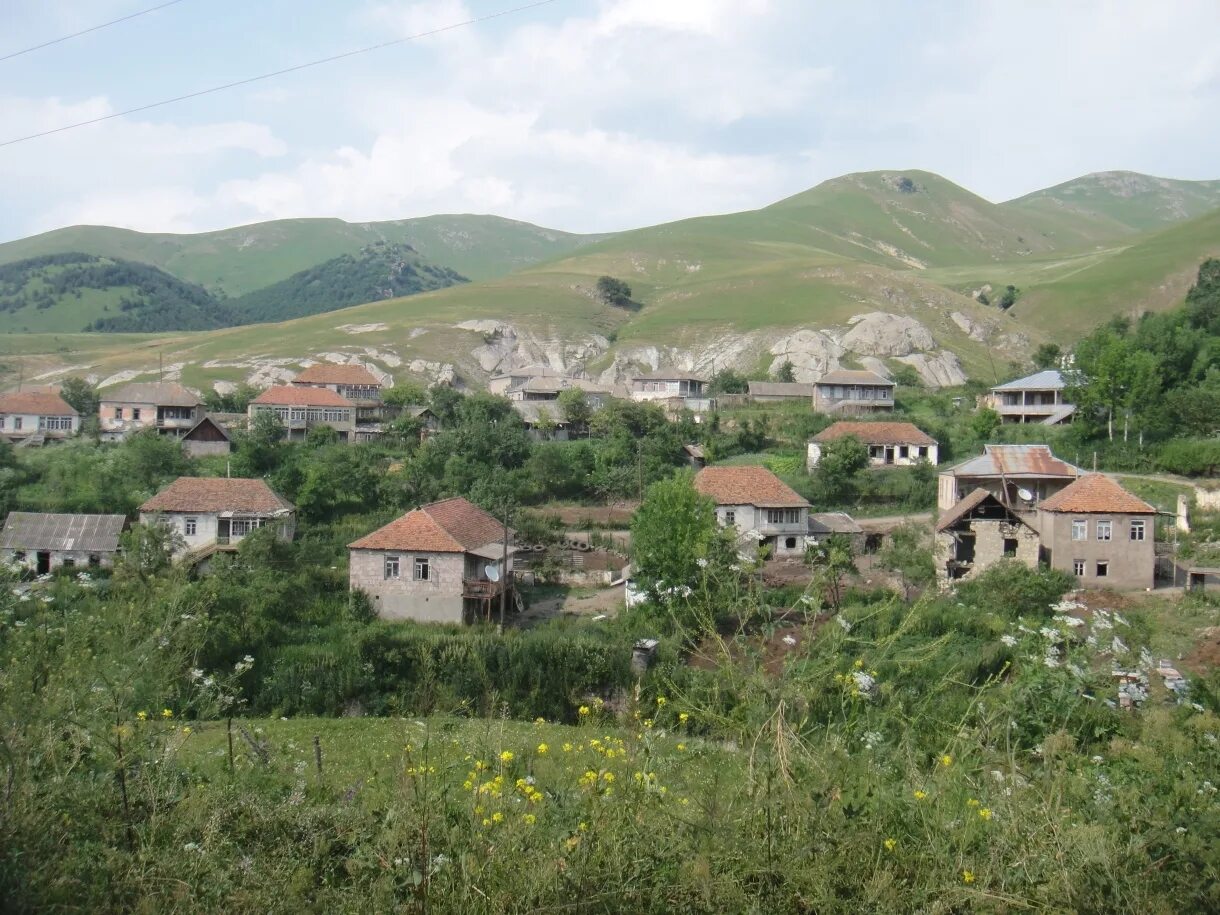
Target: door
(222, 530)
(43, 563)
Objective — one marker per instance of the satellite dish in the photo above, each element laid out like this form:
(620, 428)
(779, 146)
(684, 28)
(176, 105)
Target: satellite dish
(492, 571)
(1025, 495)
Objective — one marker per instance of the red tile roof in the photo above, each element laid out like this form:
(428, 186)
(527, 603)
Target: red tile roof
(751, 485)
(449, 526)
(42, 403)
(1096, 493)
(325, 373)
(217, 494)
(876, 433)
(304, 396)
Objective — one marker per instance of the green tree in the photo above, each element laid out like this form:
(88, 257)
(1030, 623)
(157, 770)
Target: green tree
(831, 562)
(235, 401)
(260, 447)
(786, 371)
(1047, 356)
(984, 423)
(80, 395)
(909, 556)
(575, 408)
(614, 291)
(405, 393)
(729, 381)
(907, 377)
(841, 460)
(672, 531)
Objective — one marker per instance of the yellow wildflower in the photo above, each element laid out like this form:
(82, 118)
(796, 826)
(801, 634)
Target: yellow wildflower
(468, 785)
(985, 814)
(582, 826)
(972, 803)
(684, 717)
(486, 822)
(967, 876)
(497, 817)
(681, 747)
(685, 801)
(647, 722)
(946, 760)
(567, 748)
(478, 810)
(542, 749)
(540, 720)
(920, 795)
(661, 700)
(141, 716)
(607, 777)
(858, 665)
(890, 844)
(530, 819)
(167, 713)
(186, 730)
(583, 710)
(506, 756)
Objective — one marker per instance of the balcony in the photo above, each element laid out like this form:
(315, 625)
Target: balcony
(482, 589)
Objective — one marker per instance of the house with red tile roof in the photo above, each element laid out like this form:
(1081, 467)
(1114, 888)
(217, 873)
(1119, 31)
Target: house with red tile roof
(761, 506)
(441, 563)
(1101, 533)
(211, 513)
(353, 381)
(888, 443)
(300, 408)
(36, 416)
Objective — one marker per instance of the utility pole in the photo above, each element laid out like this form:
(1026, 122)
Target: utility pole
(504, 577)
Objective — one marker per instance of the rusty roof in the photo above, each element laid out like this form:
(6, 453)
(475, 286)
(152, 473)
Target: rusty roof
(84, 533)
(876, 433)
(854, 376)
(217, 494)
(327, 373)
(42, 403)
(1096, 493)
(747, 485)
(304, 396)
(1014, 461)
(449, 526)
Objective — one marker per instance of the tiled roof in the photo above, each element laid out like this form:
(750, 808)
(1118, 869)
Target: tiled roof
(876, 433)
(1094, 493)
(854, 376)
(86, 533)
(1051, 379)
(161, 393)
(750, 485)
(304, 396)
(779, 389)
(42, 403)
(449, 526)
(326, 373)
(217, 494)
(1014, 461)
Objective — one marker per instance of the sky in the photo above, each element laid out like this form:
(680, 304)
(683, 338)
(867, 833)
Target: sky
(585, 115)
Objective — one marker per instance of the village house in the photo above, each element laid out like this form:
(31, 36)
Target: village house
(671, 385)
(441, 563)
(1099, 532)
(166, 406)
(1020, 476)
(215, 513)
(207, 436)
(1036, 398)
(549, 388)
(978, 532)
(354, 382)
(824, 525)
(779, 391)
(889, 443)
(36, 417)
(300, 408)
(499, 384)
(45, 542)
(853, 391)
(760, 505)
(543, 419)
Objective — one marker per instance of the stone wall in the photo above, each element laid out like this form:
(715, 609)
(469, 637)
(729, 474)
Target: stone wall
(437, 600)
(989, 537)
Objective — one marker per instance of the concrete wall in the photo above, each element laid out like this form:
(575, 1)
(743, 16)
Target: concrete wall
(437, 600)
(1131, 562)
(58, 557)
(989, 537)
(198, 449)
(749, 518)
(110, 420)
(951, 489)
(206, 526)
(30, 425)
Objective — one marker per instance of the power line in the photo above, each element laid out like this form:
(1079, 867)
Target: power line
(305, 66)
(94, 28)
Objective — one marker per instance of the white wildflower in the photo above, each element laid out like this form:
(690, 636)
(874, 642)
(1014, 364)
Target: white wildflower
(1118, 646)
(843, 623)
(1009, 640)
(1097, 759)
(701, 562)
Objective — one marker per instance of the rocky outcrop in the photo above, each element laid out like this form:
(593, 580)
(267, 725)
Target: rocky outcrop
(937, 370)
(880, 333)
(975, 330)
(506, 346)
(812, 353)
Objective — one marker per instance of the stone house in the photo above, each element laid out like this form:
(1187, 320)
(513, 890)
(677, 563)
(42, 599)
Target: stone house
(1036, 398)
(207, 436)
(301, 407)
(1099, 532)
(853, 391)
(779, 391)
(45, 542)
(759, 505)
(35, 417)
(441, 563)
(668, 384)
(166, 406)
(1020, 476)
(215, 513)
(978, 532)
(889, 443)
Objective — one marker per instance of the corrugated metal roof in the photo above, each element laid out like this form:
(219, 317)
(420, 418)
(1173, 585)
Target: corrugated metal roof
(86, 533)
(670, 375)
(1014, 461)
(833, 523)
(780, 389)
(1051, 379)
(854, 376)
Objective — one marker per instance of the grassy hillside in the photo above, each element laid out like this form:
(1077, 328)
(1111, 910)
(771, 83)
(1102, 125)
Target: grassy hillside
(239, 260)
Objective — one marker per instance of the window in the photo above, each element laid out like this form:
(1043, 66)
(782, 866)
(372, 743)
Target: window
(1080, 530)
(190, 526)
(242, 526)
(790, 543)
(422, 570)
(1137, 529)
(391, 567)
(885, 393)
(1103, 569)
(16, 422)
(1078, 567)
(730, 517)
(118, 412)
(1010, 547)
(135, 412)
(1105, 529)
(95, 560)
(904, 451)
(69, 562)
(59, 423)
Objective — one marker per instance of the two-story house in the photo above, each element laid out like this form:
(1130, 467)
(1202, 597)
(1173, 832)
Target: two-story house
(888, 443)
(1020, 476)
(779, 392)
(215, 513)
(978, 532)
(45, 542)
(500, 383)
(34, 417)
(166, 406)
(672, 385)
(300, 407)
(441, 563)
(760, 505)
(1099, 532)
(1036, 398)
(853, 391)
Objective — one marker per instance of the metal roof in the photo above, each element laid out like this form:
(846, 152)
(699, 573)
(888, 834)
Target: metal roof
(854, 376)
(833, 523)
(779, 389)
(84, 533)
(1051, 379)
(1014, 461)
(160, 393)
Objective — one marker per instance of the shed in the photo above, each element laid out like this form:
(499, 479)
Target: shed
(43, 542)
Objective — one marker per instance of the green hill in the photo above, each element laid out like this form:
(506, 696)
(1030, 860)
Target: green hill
(236, 261)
